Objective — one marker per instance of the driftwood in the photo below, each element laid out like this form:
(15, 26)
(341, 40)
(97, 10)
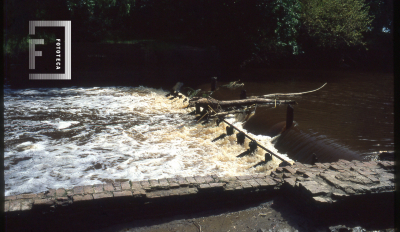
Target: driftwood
(203, 102)
(274, 95)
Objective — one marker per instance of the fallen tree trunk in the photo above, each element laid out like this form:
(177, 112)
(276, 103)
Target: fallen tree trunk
(274, 95)
(203, 102)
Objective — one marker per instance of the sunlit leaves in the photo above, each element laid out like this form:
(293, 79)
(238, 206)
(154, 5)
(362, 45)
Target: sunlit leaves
(335, 23)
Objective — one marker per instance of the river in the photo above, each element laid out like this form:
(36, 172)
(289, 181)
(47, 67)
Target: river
(64, 137)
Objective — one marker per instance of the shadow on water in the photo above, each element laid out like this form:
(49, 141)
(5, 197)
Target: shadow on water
(350, 118)
(301, 147)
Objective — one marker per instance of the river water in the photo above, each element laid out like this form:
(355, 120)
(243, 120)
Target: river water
(351, 117)
(64, 137)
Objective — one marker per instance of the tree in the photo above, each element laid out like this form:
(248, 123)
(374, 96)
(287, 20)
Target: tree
(336, 23)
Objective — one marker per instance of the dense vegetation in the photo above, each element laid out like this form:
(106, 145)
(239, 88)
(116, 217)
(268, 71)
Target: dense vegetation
(247, 32)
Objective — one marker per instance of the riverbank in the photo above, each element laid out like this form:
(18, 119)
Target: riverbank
(357, 192)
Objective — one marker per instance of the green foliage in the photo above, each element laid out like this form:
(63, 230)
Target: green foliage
(239, 29)
(335, 23)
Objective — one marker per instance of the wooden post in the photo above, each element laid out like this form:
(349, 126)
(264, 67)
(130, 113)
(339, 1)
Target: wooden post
(289, 117)
(243, 94)
(240, 138)
(213, 83)
(268, 157)
(314, 159)
(229, 130)
(198, 109)
(252, 146)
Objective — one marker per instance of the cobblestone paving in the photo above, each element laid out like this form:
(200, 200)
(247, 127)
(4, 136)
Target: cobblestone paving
(322, 183)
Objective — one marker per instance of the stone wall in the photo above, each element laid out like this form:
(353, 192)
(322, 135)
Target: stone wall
(319, 186)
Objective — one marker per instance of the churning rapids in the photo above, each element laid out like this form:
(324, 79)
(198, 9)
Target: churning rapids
(61, 138)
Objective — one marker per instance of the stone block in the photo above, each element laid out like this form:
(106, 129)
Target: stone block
(191, 180)
(139, 193)
(245, 184)
(117, 186)
(187, 191)
(372, 178)
(145, 185)
(314, 188)
(270, 181)
(248, 177)
(88, 189)
(102, 195)
(163, 183)
(279, 170)
(138, 185)
(386, 177)
(87, 197)
(217, 185)
(165, 193)
(330, 179)
(200, 180)
(46, 201)
(98, 188)
(388, 165)
(8, 198)
(204, 186)
(353, 177)
(309, 174)
(50, 193)
(70, 193)
(182, 182)
(298, 165)
(154, 184)
(253, 183)
(172, 180)
(125, 193)
(192, 191)
(109, 187)
(215, 177)
(227, 179)
(173, 192)
(62, 201)
(322, 200)
(261, 182)
(15, 205)
(339, 195)
(153, 195)
(261, 175)
(125, 185)
(26, 196)
(320, 166)
(277, 180)
(290, 181)
(174, 185)
(6, 206)
(287, 175)
(209, 179)
(61, 192)
(344, 161)
(78, 190)
(289, 170)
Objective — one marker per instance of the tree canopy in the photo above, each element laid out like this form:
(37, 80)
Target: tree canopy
(239, 28)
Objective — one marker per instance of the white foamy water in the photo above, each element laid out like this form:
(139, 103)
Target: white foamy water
(61, 138)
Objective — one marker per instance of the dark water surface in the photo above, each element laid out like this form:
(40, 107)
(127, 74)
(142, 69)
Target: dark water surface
(351, 117)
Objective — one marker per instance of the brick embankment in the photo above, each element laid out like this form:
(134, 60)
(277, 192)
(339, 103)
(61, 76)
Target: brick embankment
(321, 185)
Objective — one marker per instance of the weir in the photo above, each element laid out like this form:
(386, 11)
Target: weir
(324, 189)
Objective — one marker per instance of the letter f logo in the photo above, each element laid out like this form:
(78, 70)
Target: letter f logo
(32, 52)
